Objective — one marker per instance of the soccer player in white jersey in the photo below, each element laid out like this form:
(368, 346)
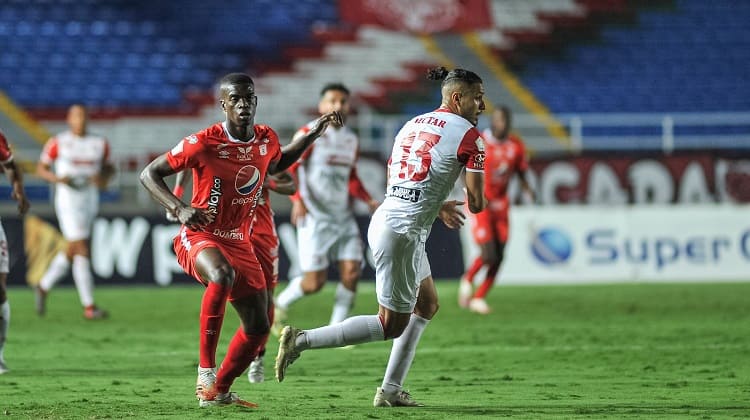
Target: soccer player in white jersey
(16, 181)
(81, 168)
(429, 153)
(322, 211)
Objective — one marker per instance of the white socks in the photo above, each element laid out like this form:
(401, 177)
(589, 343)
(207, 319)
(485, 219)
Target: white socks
(291, 294)
(354, 330)
(342, 304)
(84, 279)
(4, 323)
(58, 268)
(402, 354)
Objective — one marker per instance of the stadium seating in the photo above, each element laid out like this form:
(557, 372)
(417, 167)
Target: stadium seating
(691, 57)
(139, 56)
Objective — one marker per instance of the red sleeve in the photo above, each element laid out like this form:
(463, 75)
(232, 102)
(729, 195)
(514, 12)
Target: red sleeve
(471, 151)
(49, 152)
(186, 154)
(356, 187)
(5, 154)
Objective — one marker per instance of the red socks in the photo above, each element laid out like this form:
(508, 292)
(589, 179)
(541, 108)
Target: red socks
(212, 316)
(488, 282)
(474, 269)
(242, 350)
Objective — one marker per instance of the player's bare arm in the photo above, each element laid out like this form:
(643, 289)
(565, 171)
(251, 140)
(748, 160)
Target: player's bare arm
(475, 191)
(526, 186)
(451, 215)
(180, 182)
(16, 180)
(281, 183)
(44, 171)
(101, 179)
(293, 151)
(152, 178)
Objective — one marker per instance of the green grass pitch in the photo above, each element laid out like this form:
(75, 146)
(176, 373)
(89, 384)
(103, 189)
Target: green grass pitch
(614, 351)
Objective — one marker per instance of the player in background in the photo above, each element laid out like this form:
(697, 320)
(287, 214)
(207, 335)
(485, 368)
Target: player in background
(429, 153)
(16, 181)
(506, 156)
(265, 242)
(82, 168)
(229, 163)
(322, 211)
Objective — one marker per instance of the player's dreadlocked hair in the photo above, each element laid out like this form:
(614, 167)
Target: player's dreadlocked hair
(455, 75)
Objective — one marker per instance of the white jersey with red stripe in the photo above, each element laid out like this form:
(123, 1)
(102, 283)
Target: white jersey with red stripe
(324, 171)
(429, 153)
(77, 157)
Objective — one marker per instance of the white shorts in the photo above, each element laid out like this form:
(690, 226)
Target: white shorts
(4, 256)
(76, 211)
(319, 240)
(400, 265)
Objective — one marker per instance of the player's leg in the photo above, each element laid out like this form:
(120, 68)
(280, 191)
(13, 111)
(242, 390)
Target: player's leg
(250, 337)
(266, 250)
(56, 271)
(482, 232)
(494, 257)
(314, 240)
(348, 251)
(394, 264)
(404, 347)
(4, 304)
(84, 278)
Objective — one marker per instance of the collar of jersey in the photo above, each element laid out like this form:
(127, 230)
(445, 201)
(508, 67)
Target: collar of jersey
(232, 139)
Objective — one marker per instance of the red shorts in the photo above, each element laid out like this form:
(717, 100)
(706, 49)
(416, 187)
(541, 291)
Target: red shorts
(267, 250)
(239, 253)
(490, 225)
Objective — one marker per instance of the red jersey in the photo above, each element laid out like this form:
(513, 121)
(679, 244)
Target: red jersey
(5, 154)
(503, 159)
(228, 174)
(263, 221)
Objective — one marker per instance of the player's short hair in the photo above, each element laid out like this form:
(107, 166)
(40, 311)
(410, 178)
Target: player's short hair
(236, 78)
(455, 75)
(334, 86)
(505, 109)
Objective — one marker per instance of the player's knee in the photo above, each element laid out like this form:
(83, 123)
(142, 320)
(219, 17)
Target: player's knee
(257, 328)
(222, 274)
(393, 329)
(311, 285)
(3, 295)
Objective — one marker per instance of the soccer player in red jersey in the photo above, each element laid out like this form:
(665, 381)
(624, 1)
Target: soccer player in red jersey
(505, 156)
(229, 162)
(16, 180)
(265, 242)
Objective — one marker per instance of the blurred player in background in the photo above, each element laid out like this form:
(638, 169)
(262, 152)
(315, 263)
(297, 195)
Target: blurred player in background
(506, 156)
(265, 242)
(229, 163)
(82, 168)
(429, 153)
(18, 194)
(322, 211)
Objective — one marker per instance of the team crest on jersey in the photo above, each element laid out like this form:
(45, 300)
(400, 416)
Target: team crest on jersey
(247, 179)
(192, 139)
(263, 149)
(245, 153)
(480, 144)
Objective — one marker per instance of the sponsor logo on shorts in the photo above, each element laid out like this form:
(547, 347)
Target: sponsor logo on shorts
(408, 194)
(233, 234)
(215, 196)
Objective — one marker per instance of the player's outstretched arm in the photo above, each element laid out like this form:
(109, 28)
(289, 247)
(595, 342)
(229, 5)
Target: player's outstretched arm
(152, 178)
(293, 151)
(475, 191)
(281, 183)
(16, 180)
